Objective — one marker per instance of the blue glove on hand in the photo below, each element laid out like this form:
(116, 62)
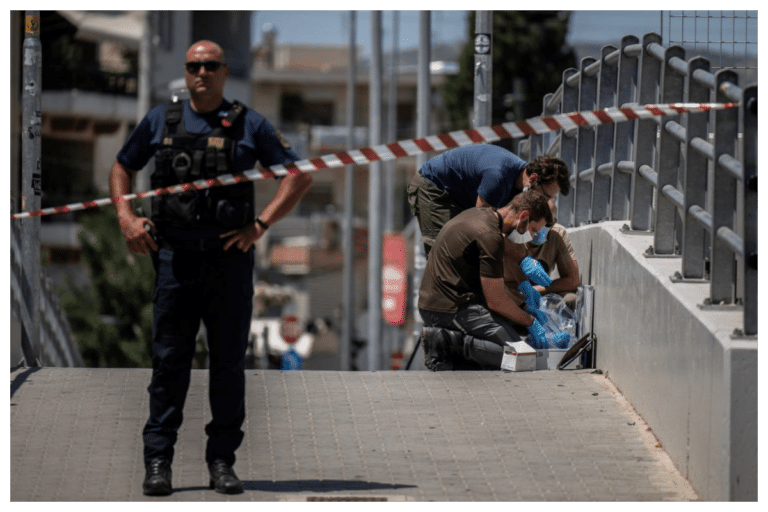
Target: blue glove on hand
(558, 340)
(532, 297)
(537, 332)
(536, 313)
(535, 271)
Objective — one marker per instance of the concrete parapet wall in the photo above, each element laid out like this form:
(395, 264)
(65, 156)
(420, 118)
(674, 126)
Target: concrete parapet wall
(676, 362)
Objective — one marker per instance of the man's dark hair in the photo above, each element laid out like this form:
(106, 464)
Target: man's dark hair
(535, 202)
(549, 169)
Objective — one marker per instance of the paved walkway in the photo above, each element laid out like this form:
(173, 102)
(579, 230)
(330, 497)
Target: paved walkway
(324, 436)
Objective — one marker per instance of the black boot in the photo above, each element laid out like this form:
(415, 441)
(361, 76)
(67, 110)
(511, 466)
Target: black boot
(437, 354)
(223, 478)
(157, 481)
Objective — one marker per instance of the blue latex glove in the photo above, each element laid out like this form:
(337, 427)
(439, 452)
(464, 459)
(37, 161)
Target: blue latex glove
(536, 313)
(559, 340)
(535, 271)
(537, 332)
(532, 297)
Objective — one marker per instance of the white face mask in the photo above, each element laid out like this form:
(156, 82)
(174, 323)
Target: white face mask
(520, 238)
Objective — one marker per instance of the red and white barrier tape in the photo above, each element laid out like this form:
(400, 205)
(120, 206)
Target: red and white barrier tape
(512, 130)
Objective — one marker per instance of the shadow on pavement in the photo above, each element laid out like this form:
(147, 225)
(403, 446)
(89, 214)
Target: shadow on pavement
(318, 486)
(19, 379)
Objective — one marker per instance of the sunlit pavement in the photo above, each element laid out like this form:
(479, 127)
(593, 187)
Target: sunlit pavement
(329, 435)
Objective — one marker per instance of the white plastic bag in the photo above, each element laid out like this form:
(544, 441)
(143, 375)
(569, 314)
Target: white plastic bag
(560, 318)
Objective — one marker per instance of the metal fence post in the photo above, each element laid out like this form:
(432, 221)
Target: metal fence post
(749, 129)
(31, 185)
(624, 133)
(601, 180)
(585, 145)
(568, 141)
(694, 177)
(641, 204)
(722, 259)
(668, 158)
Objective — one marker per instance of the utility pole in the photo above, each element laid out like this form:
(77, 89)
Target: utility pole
(483, 68)
(31, 185)
(374, 201)
(348, 278)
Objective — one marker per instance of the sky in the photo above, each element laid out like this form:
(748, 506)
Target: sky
(332, 26)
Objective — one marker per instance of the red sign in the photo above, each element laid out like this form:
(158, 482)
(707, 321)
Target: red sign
(290, 328)
(394, 279)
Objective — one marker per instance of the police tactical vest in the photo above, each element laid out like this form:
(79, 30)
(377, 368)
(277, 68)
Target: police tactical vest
(184, 157)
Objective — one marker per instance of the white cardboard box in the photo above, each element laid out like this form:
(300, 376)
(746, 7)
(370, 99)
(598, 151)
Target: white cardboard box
(518, 357)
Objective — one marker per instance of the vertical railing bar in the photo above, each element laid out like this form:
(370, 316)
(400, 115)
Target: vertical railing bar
(694, 172)
(748, 126)
(565, 204)
(668, 158)
(722, 262)
(585, 144)
(623, 136)
(641, 204)
(604, 138)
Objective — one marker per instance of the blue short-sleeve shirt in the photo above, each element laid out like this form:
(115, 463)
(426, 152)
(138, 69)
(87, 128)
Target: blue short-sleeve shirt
(257, 141)
(483, 169)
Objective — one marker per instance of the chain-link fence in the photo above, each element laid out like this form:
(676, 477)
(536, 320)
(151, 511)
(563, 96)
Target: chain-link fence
(727, 39)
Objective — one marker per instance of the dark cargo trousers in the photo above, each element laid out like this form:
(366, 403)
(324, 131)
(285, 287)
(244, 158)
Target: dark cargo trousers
(484, 332)
(214, 286)
(432, 206)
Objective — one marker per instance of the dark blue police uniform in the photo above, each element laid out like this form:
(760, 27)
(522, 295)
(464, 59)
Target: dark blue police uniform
(196, 279)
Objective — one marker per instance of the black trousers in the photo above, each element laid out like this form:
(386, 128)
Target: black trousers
(215, 287)
(485, 332)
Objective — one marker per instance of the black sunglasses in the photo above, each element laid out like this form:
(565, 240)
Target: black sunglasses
(211, 65)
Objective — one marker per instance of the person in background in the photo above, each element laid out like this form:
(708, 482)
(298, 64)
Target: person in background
(480, 175)
(551, 247)
(467, 313)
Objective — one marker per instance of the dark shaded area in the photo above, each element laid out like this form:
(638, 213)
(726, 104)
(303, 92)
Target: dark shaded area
(21, 378)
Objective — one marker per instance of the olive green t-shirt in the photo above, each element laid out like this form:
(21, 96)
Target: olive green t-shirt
(469, 246)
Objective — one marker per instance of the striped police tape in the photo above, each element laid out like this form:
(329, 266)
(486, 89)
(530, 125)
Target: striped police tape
(392, 151)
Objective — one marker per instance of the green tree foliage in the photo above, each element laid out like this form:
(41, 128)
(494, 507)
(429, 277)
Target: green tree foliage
(112, 321)
(528, 46)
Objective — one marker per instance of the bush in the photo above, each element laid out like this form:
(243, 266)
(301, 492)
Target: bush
(112, 320)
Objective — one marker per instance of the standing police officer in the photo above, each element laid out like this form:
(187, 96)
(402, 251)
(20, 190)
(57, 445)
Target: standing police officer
(202, 247)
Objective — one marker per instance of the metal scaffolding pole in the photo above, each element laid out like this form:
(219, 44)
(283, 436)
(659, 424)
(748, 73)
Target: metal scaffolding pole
(423, 103)
(348, 283)
(483, 68)
(31, 185)
(374, 201)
